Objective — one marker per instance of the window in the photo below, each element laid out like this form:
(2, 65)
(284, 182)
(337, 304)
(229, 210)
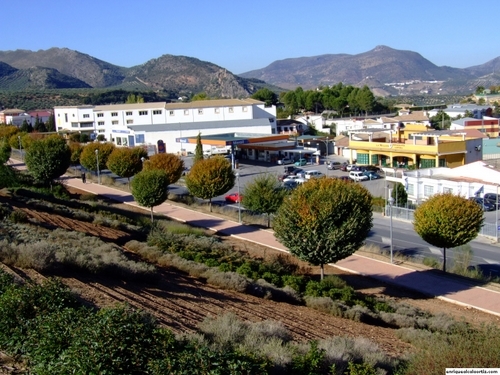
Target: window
(171, 113)
(100, 123)
(217, 110)
(231, 109)
(65, 117)
(100, 115)
(186, 112)
(114, 114)
(411, 189)
(143, 113)
(114, 122)
(86, 115)
(128, 113)
(139, 138)
(101, 131)
(428, 190)
(200, 111)
(244, 109)
(448, 190)
(118, 141)
(130, 121)
(157, 112)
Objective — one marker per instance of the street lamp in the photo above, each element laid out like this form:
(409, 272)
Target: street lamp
(239, 197)
(97, 159)
(326, 146)
(391, 201)
(20, 147)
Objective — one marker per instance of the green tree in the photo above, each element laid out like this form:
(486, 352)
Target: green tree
(51, 124)
(198, 151)
(324, 220)
(200, 96)
(447, 220)
(171, 164)
(265, 95)
(399, 195)
(39, 125)
(209, 178)
(26, 127)
(5, 150)
(126, 162)
(150, 188)
(48, 158)
(264, 195)
(132, 98)
(479, 90)
(365, 100)
(89, 156)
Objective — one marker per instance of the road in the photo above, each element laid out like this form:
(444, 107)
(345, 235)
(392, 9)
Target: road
(406, 242)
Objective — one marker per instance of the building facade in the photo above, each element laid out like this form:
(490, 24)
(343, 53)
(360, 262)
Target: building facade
(143, 124)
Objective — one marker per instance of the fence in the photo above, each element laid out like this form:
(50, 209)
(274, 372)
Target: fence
(401, 213)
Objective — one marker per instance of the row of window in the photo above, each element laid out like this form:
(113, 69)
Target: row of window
(428, 190)
(159, 112)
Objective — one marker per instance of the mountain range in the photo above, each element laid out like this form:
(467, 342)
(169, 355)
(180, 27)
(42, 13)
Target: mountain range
(386, 71)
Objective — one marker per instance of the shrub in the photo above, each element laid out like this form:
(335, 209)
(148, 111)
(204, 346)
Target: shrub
(18, 216)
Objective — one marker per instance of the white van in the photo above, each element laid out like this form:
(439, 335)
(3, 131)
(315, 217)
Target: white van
(357, 176)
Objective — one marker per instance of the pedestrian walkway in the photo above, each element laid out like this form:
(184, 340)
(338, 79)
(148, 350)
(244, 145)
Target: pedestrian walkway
(428, 282)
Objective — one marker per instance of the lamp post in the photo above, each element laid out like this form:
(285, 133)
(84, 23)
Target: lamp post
(391, 201)
(20, 147)
(97, 160)
(496, 216)
(239, 197)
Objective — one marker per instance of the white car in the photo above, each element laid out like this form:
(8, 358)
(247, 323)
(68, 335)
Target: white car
(357, 176)
(313, 174)
(285, 161)
(291, 178)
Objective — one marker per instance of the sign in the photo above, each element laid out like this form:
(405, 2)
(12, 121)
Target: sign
(237, 142)
(181, 140)
(121, 131)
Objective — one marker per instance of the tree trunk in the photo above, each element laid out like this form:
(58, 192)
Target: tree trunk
(210, 204)
(444, 259)
(322, 271)
(152, 214)
(268, 220)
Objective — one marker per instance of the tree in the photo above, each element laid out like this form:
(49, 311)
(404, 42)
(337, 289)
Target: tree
(26, 127)
(171, 164)
(76, 150)
(209, 178)
(48, 158)
(132, 98)
(39, 125)
(51, 124)
(447, 220)
(324, 220)
(399, 195)
(88, 157)
(198, 151)
(126, 162)
(5, 150)
(265, 95)
(264, 195)
(150, 188)
(200, 96)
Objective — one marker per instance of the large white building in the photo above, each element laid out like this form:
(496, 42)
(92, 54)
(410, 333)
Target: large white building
(145, 124)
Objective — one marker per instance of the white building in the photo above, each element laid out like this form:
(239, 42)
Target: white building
(147, 123)
(470, 180)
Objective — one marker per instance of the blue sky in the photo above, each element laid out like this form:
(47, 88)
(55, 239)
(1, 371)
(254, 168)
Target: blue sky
(245, 35)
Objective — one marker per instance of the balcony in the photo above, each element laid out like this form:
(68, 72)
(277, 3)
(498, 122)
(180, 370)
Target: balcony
(448, 147)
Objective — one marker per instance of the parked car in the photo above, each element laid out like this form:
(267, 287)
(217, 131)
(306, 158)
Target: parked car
(285, 161)
(334, 165)
(233, 198)
(357, 176)
(372, 175)
(313, 174)
(485, 204)
(291, 184)
(493, 199)
(301, 162)
(291, 178)
(348, 167)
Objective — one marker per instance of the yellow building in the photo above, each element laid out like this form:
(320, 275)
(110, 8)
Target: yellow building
(415, 146)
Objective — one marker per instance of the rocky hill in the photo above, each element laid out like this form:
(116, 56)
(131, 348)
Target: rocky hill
(385, 70)
(180, 74)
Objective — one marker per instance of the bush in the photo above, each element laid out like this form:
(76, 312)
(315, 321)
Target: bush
(18, 216)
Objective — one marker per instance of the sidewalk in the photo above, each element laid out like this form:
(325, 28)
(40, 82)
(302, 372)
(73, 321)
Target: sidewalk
(428, 282)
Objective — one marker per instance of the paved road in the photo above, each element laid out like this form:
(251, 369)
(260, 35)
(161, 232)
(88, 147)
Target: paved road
(429, 282)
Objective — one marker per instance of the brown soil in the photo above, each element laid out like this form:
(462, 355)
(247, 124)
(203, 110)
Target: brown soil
(181, 302)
